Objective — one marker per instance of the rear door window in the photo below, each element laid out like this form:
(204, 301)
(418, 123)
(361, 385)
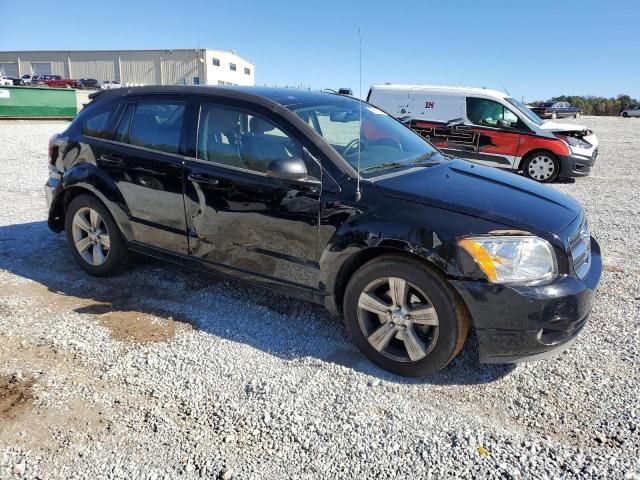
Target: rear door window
(156, 125)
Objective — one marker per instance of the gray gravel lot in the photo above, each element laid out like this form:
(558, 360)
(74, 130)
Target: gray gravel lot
(164, 373)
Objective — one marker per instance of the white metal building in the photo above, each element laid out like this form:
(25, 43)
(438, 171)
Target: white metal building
(202, 66)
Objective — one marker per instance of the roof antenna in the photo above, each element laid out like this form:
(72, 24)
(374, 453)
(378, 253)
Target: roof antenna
(358, 192)
(504, 88)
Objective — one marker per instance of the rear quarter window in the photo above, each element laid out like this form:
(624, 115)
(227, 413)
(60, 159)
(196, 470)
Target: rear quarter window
(97, 122)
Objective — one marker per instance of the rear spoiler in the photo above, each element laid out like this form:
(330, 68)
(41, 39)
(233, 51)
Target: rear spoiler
(93, 95)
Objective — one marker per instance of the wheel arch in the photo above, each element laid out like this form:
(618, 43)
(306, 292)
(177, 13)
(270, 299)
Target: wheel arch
(365, 255)
(87, 179)
(536, 151)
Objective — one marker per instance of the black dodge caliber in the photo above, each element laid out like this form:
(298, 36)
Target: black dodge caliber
(329, 199)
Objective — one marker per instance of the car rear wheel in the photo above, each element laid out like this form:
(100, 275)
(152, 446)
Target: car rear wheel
(625, 114)
(542, 167)
(94, 238)
(403, 317)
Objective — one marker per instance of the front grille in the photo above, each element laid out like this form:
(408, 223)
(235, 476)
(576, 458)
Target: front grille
(580, 250)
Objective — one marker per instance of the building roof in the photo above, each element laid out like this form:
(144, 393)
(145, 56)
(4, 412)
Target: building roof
(26, 52)
(442, 88)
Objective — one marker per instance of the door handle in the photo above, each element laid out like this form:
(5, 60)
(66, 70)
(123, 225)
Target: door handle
(111, 159)
(202, 178)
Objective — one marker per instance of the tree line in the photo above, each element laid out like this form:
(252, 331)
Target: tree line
(591, 105)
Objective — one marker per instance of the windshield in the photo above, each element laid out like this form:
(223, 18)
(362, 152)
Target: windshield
(526, 111)
(379, 140)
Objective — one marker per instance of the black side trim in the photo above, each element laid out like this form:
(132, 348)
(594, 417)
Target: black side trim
(166, 228)
(477, 156)
(289, 258)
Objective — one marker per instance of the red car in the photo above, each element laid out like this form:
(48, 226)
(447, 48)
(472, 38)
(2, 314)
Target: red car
(55, 81)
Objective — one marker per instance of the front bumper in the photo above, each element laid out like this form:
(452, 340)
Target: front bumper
(577, 165)
(517, 323)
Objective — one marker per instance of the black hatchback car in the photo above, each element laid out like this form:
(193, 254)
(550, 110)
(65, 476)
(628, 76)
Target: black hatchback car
(329, 199)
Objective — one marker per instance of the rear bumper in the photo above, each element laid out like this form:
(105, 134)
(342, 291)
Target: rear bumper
(577, 165)
(52, 183)
(516, 323)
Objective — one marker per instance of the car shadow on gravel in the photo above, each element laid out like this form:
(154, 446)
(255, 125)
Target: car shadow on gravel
(251, 315)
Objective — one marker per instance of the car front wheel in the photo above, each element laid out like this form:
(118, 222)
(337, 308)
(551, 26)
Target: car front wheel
(403, 317)
(94, 238)
(542, 167)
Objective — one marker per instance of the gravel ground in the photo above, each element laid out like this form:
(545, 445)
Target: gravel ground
(165, 373)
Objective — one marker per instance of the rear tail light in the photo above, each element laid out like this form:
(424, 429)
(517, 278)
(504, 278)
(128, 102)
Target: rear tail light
(53, 150)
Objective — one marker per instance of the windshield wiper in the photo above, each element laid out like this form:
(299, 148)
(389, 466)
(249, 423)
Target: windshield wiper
(383, 165)
(424, 157)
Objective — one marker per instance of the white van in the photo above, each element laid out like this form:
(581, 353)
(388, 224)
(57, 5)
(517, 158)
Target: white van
(490, 127)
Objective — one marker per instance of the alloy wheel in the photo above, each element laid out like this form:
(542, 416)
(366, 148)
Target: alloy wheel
(541, 168)
(90, 236)
(398, 319)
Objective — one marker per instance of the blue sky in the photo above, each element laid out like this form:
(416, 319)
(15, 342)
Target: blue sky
(536, 49)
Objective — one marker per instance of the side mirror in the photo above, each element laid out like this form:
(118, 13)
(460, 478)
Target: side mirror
(504, 124)
(288, 169)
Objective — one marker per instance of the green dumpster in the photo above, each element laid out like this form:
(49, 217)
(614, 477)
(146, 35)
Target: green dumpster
(37, 102)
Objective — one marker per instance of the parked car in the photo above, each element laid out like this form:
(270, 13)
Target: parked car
(56, 81)
(17, 81)
(86, 83)
(491, 128)
(6, 81)
(38, 80)
(26, 79)
(632, 111)
(309, 194)
(53, 81)
(556, 110)
(109, 85)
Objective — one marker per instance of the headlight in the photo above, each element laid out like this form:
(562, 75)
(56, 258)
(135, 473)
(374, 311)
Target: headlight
(574, 142)
(518, 259)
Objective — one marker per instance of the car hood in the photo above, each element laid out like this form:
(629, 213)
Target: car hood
(569, 129)
(563, 127)
(484, 192)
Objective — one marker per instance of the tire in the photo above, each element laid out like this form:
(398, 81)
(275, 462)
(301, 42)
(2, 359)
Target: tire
(434, 333)
(536, 166)
(554, 115)
(625, 114)
(103, 255)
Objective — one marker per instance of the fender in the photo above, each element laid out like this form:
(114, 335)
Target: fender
(530, 143)
(89, 177)
(358, 236)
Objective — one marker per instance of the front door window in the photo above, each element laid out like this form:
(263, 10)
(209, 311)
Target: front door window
(487, 113)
